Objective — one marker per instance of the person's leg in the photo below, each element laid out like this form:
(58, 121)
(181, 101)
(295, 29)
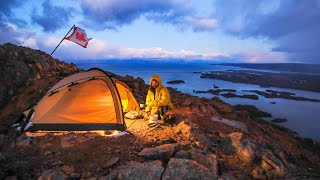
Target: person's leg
(162, 112)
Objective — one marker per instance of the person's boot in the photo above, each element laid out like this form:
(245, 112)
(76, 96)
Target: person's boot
(146, 116)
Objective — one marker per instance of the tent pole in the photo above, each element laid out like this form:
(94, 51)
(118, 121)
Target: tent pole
(61, 40)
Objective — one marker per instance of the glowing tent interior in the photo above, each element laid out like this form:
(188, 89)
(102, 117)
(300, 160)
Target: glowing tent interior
(85, 101)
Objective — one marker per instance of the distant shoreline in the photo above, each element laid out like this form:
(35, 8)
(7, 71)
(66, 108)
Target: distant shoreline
(268, 79)
(285, 67)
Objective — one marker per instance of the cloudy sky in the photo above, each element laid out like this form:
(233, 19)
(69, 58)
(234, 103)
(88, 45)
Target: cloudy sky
(217, 30)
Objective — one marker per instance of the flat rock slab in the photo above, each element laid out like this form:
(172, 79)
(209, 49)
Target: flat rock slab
(163, 152)
(111, 162)
(135, 170)
(186, 169)
(232, 123)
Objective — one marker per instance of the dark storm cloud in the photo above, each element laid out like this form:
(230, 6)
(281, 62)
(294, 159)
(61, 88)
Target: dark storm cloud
(6, 7)
(113, 14)
(293, 25)
(52, 17)
(10, 33)
(7, 33)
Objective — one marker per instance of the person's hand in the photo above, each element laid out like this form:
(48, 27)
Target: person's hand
(147, 109)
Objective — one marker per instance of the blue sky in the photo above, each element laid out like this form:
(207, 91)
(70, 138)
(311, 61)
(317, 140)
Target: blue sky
(214, 30)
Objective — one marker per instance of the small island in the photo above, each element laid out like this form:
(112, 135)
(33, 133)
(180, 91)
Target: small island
(228, 93)
(283, 95)
(175, 82)
(233, 95)
(279, 120)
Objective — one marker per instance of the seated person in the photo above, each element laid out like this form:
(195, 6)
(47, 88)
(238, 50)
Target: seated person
(158, 98)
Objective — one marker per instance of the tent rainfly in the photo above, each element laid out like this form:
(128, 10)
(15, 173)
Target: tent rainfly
(85, 101)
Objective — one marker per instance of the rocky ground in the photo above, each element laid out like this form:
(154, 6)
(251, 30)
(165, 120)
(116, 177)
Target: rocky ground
(26, 74)
(207, 139)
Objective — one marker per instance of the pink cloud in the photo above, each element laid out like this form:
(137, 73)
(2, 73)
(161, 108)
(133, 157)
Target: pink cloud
(263, 57)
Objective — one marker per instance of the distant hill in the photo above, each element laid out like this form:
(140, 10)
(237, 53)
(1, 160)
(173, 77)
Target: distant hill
(25, 74)
(288, 67)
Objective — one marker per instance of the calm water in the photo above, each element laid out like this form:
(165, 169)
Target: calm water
(303, 116)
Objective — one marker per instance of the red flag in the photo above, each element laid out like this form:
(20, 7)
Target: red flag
(79, 36)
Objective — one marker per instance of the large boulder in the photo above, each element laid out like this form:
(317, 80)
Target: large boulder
(183, 130)
(182, 154)
(113, 161)
(220, 106)
(187, 101)
(271, 167)
(163, 152)
(235, 144)
(207, 159)
(186, 169)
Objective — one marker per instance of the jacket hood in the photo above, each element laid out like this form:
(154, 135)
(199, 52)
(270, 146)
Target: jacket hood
(157, 78)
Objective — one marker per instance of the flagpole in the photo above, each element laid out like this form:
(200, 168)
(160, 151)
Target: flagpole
(62, 40)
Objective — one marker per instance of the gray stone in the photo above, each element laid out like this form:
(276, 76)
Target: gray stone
(86, 174)
(257, 175)
(11, 178)
(163, 152)
(68, 169)
(111, 162)
(10, 92)
(3, 139)
(235, 144)
(47, 153)
(232, 123)
(75, 176)
(187, 102)
(15, 53)
(186, 169)
(234, 175)
(111, 176)
(42, 178)
(182, 154)
(208, 160)
(57, 175)
(135, 170)
(278, 170)
(45, 174)
(39, 66)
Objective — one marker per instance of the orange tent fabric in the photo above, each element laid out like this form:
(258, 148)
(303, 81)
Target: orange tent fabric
(84, 101)
(129, 103)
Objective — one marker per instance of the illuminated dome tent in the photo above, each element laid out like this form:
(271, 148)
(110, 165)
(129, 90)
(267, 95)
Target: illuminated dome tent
(84, 101)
